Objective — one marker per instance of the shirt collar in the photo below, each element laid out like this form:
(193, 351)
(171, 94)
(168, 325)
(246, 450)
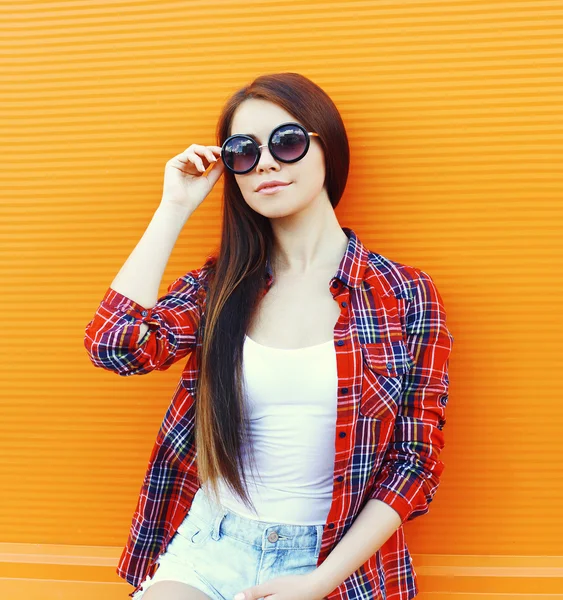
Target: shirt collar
(352, 266)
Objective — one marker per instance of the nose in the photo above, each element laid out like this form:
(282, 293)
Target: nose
(266, 161)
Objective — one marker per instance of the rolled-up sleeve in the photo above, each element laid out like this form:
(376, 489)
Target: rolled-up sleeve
(411, 470)
(112, 336)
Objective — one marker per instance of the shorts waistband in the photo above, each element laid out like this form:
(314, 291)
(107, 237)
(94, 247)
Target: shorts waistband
(261, 534)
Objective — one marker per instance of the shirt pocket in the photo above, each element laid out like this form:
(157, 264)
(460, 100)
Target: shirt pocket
(384, 366)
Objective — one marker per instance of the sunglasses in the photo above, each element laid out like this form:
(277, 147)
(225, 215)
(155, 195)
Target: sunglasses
(288, 143)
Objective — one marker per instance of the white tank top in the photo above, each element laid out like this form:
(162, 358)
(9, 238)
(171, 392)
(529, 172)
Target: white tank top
(291, 396)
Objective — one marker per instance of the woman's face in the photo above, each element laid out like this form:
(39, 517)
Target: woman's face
(305, 177)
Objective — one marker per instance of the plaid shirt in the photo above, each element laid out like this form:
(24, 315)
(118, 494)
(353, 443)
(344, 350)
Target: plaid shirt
(392, 352)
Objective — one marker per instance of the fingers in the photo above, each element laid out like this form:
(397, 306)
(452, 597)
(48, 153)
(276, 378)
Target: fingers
(195, 152)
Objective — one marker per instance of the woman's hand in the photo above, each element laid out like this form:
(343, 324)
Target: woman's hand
(290, 587)
(185, 183)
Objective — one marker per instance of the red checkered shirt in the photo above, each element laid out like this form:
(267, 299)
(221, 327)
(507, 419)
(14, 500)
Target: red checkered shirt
(392, 353)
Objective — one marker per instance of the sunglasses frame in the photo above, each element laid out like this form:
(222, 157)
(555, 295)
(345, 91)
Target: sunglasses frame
(308, 136)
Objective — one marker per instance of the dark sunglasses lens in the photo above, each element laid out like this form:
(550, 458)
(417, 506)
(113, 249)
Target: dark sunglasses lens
(239, 154)
(289, 142)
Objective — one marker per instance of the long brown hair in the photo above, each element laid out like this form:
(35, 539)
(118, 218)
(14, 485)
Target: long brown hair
(237, 280)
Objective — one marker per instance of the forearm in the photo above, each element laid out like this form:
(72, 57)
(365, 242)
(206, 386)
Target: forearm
(372, 527)
(139, 278)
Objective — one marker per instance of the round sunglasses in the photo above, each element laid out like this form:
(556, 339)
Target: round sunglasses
(288, 143)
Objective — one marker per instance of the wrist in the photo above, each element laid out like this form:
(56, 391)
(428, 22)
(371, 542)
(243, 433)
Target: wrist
(317, 585)
(177, 211)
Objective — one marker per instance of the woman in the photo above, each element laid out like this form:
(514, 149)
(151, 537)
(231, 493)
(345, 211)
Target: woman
(317, 377)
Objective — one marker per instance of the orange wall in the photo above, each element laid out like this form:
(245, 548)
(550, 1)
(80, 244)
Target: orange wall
(454, 113)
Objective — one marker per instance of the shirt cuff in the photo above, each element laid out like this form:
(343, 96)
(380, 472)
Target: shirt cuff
(118, 302)
(402, 506)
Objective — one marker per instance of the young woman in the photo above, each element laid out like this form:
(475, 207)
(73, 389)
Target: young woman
(307, 424)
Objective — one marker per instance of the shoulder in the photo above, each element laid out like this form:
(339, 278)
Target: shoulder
(391, 277)
(202, 275)
(195, 280)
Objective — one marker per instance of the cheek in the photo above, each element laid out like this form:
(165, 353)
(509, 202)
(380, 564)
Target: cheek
(315, 167)
(244, 185)
(313, 175)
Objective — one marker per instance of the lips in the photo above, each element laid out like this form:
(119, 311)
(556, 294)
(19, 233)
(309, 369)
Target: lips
(269, 191)
(271, 184)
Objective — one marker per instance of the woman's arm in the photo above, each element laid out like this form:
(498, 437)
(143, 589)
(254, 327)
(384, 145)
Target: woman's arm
(139, 278)
(411, 468)
(371, 528)
(134, 333)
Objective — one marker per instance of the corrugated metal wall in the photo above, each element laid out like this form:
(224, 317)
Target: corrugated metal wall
(454, 112)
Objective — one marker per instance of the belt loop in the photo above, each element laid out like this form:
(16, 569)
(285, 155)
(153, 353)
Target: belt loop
(320, 531)
(215, 531)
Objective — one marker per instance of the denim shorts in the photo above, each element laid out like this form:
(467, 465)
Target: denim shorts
(222, 553)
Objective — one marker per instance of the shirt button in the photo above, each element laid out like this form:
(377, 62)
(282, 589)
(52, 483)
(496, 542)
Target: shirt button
(331, 525)
(344, 390)
(342, 434)
(339, 478)
(273, 536)
(144, 313)
(340, 343)
(344, 304)
(335, 284)
(390, 366)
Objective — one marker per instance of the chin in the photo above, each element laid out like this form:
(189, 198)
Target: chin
(274, 212)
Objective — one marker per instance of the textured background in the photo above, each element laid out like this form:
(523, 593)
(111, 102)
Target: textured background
(454, 113)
